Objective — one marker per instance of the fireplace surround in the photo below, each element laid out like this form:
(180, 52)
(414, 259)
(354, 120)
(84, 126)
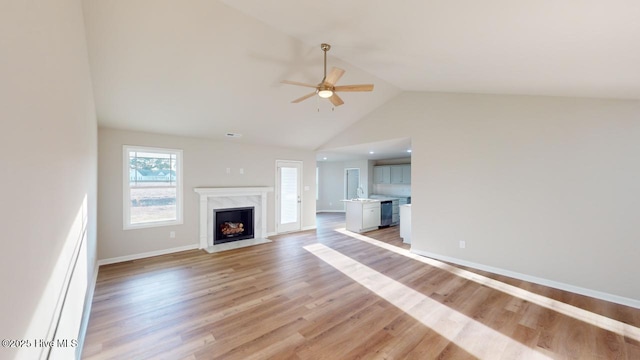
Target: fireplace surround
(220, 198)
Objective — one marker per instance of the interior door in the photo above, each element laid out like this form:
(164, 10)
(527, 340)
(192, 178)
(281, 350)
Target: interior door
(288, 196)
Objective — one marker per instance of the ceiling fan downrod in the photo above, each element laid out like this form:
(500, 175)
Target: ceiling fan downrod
(325, 48)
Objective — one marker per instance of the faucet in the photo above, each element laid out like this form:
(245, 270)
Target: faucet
(360, 192)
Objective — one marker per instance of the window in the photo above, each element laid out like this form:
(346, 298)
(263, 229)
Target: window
(152, 187)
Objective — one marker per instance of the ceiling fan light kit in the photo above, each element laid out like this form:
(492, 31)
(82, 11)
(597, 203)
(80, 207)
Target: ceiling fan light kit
(324, 92)
(326, 89)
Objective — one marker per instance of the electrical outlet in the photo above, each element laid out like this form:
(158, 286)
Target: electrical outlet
(241, 171)
(463, 244)
(172, 234)
(228, 170)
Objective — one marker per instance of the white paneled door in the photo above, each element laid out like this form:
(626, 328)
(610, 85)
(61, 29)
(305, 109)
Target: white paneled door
(288, 195)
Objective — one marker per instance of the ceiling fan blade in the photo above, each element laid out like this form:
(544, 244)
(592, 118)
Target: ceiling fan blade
(336, 100)
(297, 83)
(361, 87)
(334, 76)
(304, 97)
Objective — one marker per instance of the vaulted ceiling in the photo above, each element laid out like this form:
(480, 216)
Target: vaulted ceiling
(205, 68)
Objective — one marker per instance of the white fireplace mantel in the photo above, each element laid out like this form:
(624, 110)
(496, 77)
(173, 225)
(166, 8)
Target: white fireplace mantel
(212, 198)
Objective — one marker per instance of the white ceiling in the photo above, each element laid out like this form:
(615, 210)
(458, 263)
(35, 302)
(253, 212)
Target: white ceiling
(204, 68)
(381, 150)
(581, 48)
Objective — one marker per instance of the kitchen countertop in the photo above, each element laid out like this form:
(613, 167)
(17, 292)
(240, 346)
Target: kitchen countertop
(384, 198)
(361, 201)
(389, 197)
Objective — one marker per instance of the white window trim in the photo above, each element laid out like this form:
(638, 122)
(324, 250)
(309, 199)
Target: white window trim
(126, 192)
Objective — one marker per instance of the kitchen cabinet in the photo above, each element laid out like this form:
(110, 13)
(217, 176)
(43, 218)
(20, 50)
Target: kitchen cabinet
(396, 202)
(381, 175)
(406, 174)
(371, 215)
(362, 215)
(396, 174)
(402, 174)
(405, 223)
(392, 174)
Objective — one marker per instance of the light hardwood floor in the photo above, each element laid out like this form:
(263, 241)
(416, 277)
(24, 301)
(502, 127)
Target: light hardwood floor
(327, 295)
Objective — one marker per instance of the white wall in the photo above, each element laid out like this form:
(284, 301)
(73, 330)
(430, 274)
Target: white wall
(48, 175)
(365, 173)
(541, 186)
(205, 163)
(331, 182)
(330, 186)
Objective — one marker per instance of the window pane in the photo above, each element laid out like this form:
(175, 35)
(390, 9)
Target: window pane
(151, 169)
(289, 195)
(153, 204)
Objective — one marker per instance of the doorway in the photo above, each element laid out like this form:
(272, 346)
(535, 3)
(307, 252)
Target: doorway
(352, 183)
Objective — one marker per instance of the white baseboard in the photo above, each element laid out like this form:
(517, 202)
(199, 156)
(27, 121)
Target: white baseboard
(534, 279)
(302, 229)
(146, 255)
(329, 211)
(305, 228)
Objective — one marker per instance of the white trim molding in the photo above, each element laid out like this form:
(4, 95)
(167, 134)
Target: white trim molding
(534, 279)
(91, 289)
(211, 194)
(145, 255)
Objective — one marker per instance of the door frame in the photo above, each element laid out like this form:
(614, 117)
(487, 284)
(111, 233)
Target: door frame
(346, 179)
(277, 194)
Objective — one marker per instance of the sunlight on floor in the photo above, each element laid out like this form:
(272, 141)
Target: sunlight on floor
(463, 331)
(589, 317)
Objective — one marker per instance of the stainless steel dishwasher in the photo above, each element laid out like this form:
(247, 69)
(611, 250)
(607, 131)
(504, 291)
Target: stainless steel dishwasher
(386, 213)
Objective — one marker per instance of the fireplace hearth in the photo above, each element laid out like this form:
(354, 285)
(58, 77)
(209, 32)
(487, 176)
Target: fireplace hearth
(233, 224)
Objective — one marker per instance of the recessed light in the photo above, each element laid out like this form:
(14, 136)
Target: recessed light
(409, 150)
(324, 158)
(233, 135)
(371, 152)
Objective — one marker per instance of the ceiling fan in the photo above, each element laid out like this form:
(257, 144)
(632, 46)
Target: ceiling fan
(327, 87)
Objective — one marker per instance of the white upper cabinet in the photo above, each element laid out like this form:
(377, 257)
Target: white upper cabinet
(381, 175)
(392, 174)
(396, 174)
(406, 174)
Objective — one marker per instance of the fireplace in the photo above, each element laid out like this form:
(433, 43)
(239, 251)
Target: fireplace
(231, 198)
(233, 224)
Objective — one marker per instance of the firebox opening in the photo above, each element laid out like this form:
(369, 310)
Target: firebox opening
(233, 224)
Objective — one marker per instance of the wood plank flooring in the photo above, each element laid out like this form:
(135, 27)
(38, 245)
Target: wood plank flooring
(326, 295)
